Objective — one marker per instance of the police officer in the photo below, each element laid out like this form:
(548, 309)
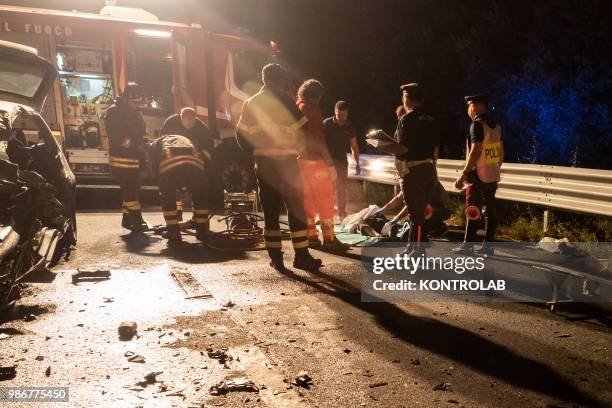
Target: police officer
(178, 163)
(481, 173)
(125, 129)
(417, 135)
(186, 123)
(270, 130)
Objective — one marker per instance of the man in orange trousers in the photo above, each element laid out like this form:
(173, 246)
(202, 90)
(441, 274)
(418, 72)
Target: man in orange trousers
(318, 171)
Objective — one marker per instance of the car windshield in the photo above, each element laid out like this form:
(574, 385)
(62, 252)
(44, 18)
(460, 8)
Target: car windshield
(19, 78)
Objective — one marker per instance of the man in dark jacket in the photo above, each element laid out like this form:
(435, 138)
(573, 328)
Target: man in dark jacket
(417, 136)
(125, 129)
(340, 135)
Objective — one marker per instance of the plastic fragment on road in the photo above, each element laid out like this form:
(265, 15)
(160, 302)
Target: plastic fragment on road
(303, 380)
(443, 386)
(127, 330)
(238, 384)
(7, 373)
(220, 355)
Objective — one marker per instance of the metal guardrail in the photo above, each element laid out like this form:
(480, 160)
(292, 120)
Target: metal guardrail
(574, 189)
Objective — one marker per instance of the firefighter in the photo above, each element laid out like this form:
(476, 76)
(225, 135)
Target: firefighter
(125, 129)
(270, 130)
(417, 136)
(481, 173)
(317, 169)
(179, 164)
(186, 123)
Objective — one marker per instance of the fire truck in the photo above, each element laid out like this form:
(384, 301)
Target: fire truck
(96, 55)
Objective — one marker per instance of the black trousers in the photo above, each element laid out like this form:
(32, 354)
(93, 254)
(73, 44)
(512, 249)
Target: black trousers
(341, 181)
(416, 187)
(280, 184)
(129, 183)
(481, 195)
(195, 181)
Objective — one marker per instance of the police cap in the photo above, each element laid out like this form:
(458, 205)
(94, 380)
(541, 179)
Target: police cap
(412, 88)
(476, 98)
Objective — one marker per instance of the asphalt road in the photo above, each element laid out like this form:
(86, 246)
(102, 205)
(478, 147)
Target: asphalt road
(275, 325)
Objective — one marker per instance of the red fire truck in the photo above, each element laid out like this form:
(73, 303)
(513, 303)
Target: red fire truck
(97, 54)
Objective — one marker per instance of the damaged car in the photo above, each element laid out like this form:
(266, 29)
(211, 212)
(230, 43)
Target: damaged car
(37, 186)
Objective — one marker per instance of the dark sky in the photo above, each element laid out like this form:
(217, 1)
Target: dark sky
(345, 44)
(532, 56)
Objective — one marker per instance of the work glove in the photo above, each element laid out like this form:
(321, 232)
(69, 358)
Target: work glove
(386, 229)
(357, 169)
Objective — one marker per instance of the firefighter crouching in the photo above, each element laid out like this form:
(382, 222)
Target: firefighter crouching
(125, 129)
(485, 154)
(178, 164)
(270, 130)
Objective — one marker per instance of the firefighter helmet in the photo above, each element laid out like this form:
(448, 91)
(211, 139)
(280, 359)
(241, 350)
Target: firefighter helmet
(133, 92)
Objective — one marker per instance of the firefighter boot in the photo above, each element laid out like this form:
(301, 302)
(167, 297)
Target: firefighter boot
(173, 235)
(138, 223)
(335, 246)
(276, 259)
(126, 220)
(202, 223)
(303, 260)
(202, 232)
(179, 211)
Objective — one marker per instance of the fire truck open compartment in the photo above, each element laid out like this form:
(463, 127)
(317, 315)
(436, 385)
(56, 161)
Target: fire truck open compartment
(86, 88)
(96, 55)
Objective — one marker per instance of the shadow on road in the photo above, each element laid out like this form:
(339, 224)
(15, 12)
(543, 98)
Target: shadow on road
(188, 252)
(453, 342)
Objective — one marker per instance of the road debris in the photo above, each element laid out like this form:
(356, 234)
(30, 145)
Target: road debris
(238, 384)
(29, 317)
(347, 350)
(7, 373)
(48, 371)
(303, 380)
(443, 386)
(136, 358)
(220, 355)
(378, 384)
(150, 378)
(4, 336)
(127, 330)
(109, 300)
(95, 275)
(415, 361)
(39, 358)
(229, 304)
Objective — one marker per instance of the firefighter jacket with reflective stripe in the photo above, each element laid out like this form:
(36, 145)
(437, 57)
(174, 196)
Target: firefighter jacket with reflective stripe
(172, 151)
(199, 134)
(270, 125)
(489, 162)
(125, 129)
